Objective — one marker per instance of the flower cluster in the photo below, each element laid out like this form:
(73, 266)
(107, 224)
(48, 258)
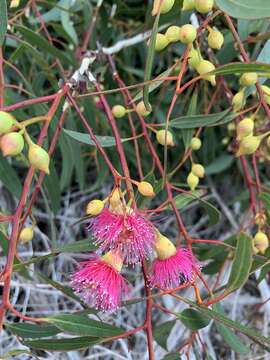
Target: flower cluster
(127, 237)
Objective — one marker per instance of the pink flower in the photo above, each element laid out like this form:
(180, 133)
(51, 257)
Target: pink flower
(100, 283)
(126, 232)
(174, 270)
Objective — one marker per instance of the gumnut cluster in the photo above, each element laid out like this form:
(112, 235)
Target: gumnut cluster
(125, 236)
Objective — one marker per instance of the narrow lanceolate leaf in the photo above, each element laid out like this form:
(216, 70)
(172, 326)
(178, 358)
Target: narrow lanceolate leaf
(183, 200)
(161, 332)
(245, 9)
(104, 141)
(241, 263)
(3, 21)
(228, 335)
(70, 344)
(193, 319)
(239, 68)
(82, 325)
(32, 331)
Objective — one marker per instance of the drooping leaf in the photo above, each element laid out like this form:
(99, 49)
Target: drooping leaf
(105, 141)
(220, 164)
(33, 331)
(245, 9)
(161, 332)
(183, 200)
(193, 320)
(69, 344)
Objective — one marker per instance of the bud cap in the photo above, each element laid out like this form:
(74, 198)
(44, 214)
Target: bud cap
(204, 6)
(187, 34)
(198, 170)
(192, 181)
(94, 207)
(12, 144)
(215, 39)
(141, 109)
(39, 158)
(161, 137)
(26, 234)
(195, 143)
(146, 189)
(204, 67)
(6, 122)
(161, 42)
(118, 111)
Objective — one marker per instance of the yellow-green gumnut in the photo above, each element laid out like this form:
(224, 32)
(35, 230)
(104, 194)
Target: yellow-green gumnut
(215, 39)
(188, 5)
(141, 109)
(94, 207)
(194, 57)
(204, 6)
(165, 6)
(204, 67)
(244, 128)
(248, 145)
(118, 111)
(113, 259)
(195, 143)
(172, 34)
(260, 241)
(146, 189)
(39, 158)
(248, 79)
(187, 33)
(238, 101)
(161, 42)
(198, 170)
(266, 92)
(12, 144)
(161, 137)
(192, 181)
(164, 247)
(26, 235)
(6, 122)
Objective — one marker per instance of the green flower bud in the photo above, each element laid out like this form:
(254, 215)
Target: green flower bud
(245, 128)
(165, 6)
(215, 39)
(161, 137)
(204, 6)
(94, 207)
(141, 109)
(118, 111)
(6, 122)
(188, 5)
(172, 34)
(260, 242)
(204, 67)
(248, 79)
(39, 158)
(194, 57)
(266, 91)
(187, 33)
(192, 181)
(146, 189)
(248, 145)
(195, 143)
(12, 144)
(238, 101)
(26, 235)
(161, 42)
(198, 170)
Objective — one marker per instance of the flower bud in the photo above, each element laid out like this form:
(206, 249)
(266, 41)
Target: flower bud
(94, 207)
(261, 242)
(165, 6)
(146, 189)
(194, 57)
(12, 144)
(118, 111)
(195, 143)
(187, 33)
(198, 170)
(215, 39)
(248, 145)
(204, 6)
(26, 235)
(141, 109)
(188, 5)
(204, 67)
(161, 137)
(161, 42)
(248, 79)
(6, 122)
(238, 101)
(164, 247)
(172, 34)
(115, 197)
(266, 91)
(260, 219)
(192, 181)
(231, 126)
(245, 128)
(39, 158)
(114, 260)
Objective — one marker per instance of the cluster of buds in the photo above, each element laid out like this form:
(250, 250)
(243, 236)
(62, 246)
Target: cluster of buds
(197, 172)
(12, 141)
(124, 236)
(119, 111)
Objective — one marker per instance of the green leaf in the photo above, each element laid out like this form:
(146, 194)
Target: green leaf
(220, 164)
(228, 335)
(265, 197)
(105, 141)
(241, 263)
(85, 245)
(82, 325)
(183, 200)
(193, 320)
(33, 331)
(245, 9)
(10, 178)
(239, 68)
(35, 39)
(3, 21)
(62, 344)
(171, 356)
(162, 332)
